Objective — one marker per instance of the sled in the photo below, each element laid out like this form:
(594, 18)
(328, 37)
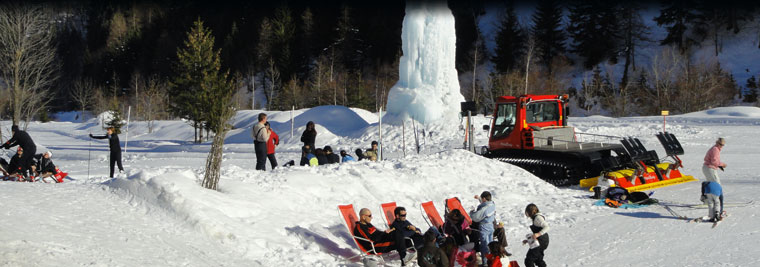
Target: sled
(453, 203)
(431, 216)
(388, 209)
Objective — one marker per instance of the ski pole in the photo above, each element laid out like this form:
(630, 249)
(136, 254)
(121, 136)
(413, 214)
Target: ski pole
(89, 151)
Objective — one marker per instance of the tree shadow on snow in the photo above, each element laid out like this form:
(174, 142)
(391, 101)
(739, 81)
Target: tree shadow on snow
(325, 244)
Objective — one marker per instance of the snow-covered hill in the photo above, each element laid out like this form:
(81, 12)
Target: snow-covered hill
(158, 215)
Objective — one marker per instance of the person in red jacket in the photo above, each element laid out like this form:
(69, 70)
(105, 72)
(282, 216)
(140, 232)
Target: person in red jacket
(274, 140)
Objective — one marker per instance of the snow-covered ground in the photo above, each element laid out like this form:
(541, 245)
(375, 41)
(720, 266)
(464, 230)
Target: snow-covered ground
(158, 215)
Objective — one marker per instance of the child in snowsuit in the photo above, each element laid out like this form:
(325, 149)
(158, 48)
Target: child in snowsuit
(485, 216)
(535, 256)
(711, 197)
(44, 167)
(114, 146)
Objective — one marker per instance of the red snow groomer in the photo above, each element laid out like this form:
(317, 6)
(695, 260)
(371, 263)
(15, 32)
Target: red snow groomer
(531, 131)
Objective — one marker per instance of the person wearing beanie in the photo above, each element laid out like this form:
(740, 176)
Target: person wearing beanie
(23, 140)
(712, 164)
(44, 167)
(114, 146)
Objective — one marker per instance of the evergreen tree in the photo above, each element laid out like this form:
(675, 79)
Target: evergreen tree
(713, 18)
(595, 30)
(510, 40)
(116, 120)
(349, 46)
(679, 16)
(196, 71)
(752, 88)
(547, 31)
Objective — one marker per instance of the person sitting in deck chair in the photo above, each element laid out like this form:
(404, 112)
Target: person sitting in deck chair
(406, 229)
(457, 227)
(384, 241)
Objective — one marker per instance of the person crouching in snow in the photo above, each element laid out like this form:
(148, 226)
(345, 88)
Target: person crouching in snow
(44, 167)
(711, 197)
(114, 146)
(485, 216)
(535, 256)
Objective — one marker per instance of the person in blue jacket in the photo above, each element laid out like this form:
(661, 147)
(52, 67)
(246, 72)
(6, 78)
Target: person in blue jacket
(485, 216)
(345, 157)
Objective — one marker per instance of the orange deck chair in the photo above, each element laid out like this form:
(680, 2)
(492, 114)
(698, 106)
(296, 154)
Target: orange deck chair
(388, 209)
(453, 203)
(349, 216)
(431, 215)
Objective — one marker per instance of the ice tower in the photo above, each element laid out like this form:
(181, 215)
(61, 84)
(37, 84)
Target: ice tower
(428, 88)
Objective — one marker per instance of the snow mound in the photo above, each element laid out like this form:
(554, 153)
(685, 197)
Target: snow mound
(285, 195)
(738, 111)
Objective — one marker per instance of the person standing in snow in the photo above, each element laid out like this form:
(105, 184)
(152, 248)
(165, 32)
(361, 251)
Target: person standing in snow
(24, 141)
(712, 164)
(371, 153)
(260, 136)
(274, 140)
(114, 146)
(535, 256)
(485, 216)
(345, 157)
(711, 196)
(309, 136)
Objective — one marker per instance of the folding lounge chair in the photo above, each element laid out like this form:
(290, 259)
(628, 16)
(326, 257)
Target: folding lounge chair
(388, 209)
(431, 215)
(350, 218)
(453, 203)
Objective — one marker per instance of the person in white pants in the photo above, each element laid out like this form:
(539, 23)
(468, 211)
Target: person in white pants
(712, 164)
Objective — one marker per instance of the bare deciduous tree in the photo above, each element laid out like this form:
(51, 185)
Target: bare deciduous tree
(27, 58)
(83, 93)
(154, 100)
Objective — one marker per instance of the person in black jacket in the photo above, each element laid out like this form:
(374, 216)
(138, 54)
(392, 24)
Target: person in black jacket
(14, 166)
(44, 167)
(331, 157)
(321, 157)
(114, 146)
(23, 140)
(309, 136)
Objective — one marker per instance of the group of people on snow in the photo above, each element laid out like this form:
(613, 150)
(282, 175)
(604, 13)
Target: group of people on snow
(483, 243)
(26, 165)
(265, 140)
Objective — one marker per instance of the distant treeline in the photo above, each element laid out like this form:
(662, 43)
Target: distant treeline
(308, 53)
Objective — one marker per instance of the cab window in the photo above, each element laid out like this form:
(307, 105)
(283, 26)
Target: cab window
(504, 122)
(541, 112)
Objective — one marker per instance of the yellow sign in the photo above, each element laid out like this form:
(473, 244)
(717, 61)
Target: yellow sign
(665, 113)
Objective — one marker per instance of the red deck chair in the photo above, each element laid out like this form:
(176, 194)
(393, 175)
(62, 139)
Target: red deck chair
(431, 215)
(388, 209)
(453, 203)
(349, 216)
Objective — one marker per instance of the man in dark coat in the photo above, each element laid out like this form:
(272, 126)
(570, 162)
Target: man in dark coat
(23, 140)
(114, 146)
(405, 229)
(331, 157)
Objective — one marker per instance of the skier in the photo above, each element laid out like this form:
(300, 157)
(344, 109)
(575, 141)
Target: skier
(713, 163)
(260, 136)
(44, 167)
(485, 216)
(274, 140)
(114, 146)
(712, 191)
(309, 136)
(535, 256)
(24, 141)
